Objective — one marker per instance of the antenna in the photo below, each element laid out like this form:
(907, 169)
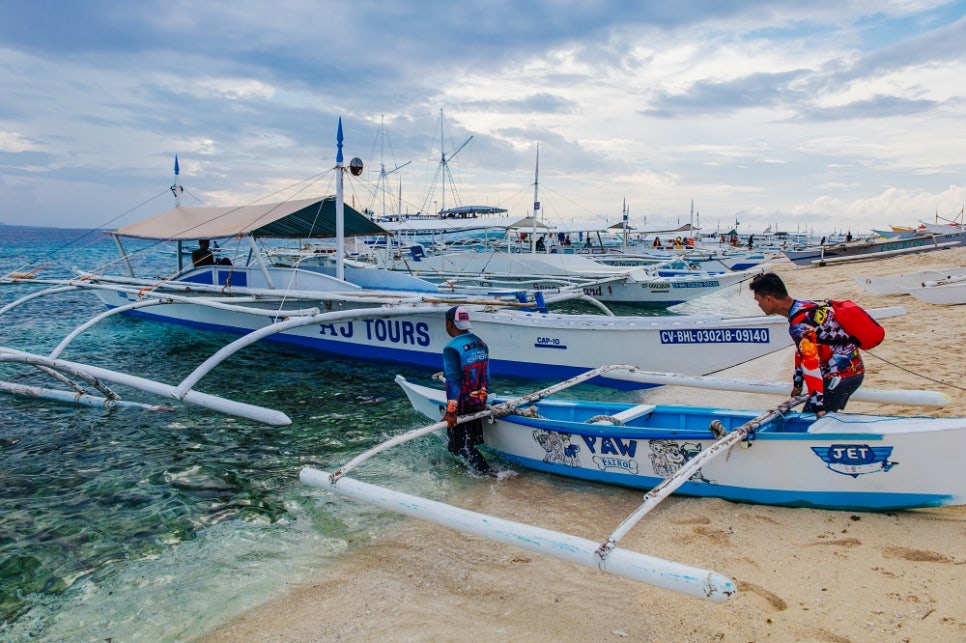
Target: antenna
(383, 173)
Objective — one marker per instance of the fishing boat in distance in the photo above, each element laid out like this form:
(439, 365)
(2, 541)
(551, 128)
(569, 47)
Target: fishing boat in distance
(862, 250)
(551, 272)
(841, 461)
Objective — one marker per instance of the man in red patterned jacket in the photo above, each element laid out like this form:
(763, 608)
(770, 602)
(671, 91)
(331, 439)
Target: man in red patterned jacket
(827, 359)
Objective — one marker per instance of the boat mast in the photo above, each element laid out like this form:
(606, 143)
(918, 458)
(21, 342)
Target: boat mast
(176, 190)
(536, 200)
(339, 208)
(625, 213)
(383, 189)
(691, 231)
(443, 172)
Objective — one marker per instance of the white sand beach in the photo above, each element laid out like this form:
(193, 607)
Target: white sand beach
(803, 575)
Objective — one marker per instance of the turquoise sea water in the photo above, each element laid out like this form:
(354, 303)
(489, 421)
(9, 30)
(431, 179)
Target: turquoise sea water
(136, 525)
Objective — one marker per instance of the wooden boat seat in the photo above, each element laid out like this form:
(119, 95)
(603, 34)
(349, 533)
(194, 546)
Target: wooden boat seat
(626, 415)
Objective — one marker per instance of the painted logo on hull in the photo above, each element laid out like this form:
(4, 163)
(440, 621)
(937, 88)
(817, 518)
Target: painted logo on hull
(667, 456)
(610, 453)
(385, 331)
(855, 459)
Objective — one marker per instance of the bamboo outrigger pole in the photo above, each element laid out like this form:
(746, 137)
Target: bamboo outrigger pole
(666, 574)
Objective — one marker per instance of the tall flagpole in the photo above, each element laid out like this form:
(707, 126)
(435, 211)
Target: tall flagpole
(176, 189)
(339, 208)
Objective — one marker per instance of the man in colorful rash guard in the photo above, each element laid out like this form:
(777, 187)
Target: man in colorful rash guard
(466, 366)
(827, 360)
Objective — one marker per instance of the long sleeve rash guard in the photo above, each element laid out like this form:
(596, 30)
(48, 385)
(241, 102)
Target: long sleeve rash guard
(825, 350)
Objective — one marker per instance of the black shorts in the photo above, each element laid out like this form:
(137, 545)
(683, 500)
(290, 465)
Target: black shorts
(836, 398)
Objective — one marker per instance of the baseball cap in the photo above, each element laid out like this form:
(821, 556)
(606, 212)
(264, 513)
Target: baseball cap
(460, 317)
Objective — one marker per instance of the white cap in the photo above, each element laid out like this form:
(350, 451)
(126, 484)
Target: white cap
(460, 317)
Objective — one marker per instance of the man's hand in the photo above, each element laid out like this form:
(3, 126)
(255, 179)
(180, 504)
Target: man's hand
(796, 391)
(450, 419)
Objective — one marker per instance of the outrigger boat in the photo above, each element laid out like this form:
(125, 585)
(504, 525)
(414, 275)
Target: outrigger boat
(363, 312)
(344, 313)
(840, 461)
(876, 249)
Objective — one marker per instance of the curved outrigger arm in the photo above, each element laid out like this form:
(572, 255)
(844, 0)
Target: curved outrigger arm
(256, 335)
(158, 300)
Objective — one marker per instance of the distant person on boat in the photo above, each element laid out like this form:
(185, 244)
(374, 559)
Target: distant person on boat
(541, 246)
(751, 242)
(657, 242)
(203, 256)
(827, 359)
(466, 367)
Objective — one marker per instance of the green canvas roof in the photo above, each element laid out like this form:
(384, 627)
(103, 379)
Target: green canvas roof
(303, 219)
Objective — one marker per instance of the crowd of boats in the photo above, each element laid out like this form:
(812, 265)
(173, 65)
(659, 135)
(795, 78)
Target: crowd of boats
(318, 274)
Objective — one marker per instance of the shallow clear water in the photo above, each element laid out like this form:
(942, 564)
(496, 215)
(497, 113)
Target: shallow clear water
(144, 526)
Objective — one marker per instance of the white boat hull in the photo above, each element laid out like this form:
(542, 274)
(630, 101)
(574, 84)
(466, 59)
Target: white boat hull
(843, 461)
(522, 344)
(901, 283)
(948, 294)
(839, 252)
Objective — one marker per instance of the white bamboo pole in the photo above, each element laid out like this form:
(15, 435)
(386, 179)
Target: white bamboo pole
(77, 398)
(884, 396)
(215, 403)
(700, 583)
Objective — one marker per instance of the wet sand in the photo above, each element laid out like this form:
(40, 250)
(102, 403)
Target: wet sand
(803, 575)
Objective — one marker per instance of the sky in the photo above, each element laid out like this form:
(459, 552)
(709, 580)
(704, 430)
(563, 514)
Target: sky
(805, 116)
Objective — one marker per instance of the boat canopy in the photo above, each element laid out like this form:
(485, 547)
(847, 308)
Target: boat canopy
(302, 219)
(447, 225)
(528, 223)
(464, 211)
